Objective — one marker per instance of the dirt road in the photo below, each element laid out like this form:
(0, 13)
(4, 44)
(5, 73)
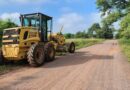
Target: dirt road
(99, 67)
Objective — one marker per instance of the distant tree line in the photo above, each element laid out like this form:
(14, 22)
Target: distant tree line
(95, 31)
(111, 11)
(79, 34)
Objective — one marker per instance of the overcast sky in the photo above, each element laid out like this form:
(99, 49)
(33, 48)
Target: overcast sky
(75, 15)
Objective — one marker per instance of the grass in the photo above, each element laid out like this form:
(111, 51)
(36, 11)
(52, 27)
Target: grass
(11, 66)
(7, 68)
(80, 43)
(125, 46)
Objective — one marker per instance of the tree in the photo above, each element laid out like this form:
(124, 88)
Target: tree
(126, 33)
(69, 35)
(115, 10)
(107, 31)
(111, 18)
(110, 6)
(100, 33)
(125, 22)
(95, 30)
(81, 34)
(5, 24)
(124, 27)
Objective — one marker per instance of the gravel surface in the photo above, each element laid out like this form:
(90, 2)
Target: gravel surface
(99, 67)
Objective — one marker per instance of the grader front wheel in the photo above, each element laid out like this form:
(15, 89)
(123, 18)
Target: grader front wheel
(71, 47)
(36, 56)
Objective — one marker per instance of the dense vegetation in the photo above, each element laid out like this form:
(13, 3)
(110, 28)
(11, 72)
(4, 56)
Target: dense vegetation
(118, 11)
(125, 45)
(95, 31)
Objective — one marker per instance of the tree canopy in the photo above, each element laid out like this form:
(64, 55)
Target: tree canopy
(110, 6)
(104, 31)
(6, 24)
(113, 11)
(95, 30)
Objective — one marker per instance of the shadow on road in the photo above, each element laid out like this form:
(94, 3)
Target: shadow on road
(75, 59)
(67, 60)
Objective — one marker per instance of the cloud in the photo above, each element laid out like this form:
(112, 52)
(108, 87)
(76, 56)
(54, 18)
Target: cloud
(71, 22)
(74, 22)
(12, 16)
(38, 1)
(26, 1)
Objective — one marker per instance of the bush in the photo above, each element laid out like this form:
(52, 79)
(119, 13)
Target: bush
(126, 33)
(80, 43)
(125, 45)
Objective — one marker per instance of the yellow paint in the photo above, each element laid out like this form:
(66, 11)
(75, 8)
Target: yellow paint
(59, 38)
(19, 51)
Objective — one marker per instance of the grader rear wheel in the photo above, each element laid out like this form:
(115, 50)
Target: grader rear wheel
(49, 52)
(1, 58)
(36, 56)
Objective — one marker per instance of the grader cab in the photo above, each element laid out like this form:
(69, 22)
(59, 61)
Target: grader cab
(33, 41)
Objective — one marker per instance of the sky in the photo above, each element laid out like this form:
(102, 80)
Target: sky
(74, 15)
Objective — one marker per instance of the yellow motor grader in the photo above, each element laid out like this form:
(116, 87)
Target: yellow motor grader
(33, 41)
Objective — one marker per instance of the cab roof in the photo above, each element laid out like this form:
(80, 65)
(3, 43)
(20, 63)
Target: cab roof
(37, 14)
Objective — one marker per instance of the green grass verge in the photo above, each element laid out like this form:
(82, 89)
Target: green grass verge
(11, 66)
(125, 46)
(7, 68)
(80, 43)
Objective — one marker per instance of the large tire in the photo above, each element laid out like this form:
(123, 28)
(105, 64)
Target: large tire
(1, 58)
(49, 52)
(36, 56)
(71, 48)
